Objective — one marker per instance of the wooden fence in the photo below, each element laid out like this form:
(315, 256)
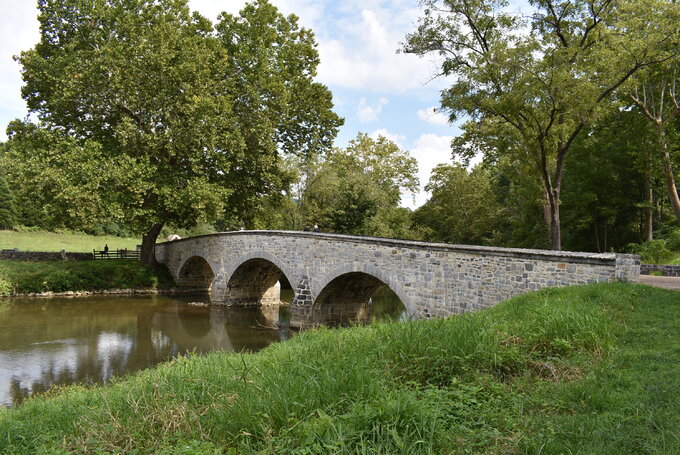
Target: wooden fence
(117, 254)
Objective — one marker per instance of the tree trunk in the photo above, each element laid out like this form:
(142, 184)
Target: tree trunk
(148, 256)
(668, 174)
(555, 231)
(649, 209)
(551, 213)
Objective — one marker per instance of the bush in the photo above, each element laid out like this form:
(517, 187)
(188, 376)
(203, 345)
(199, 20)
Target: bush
(8, 216)
(651, 252)
(673, 240)
(32, 277)
(5, 287)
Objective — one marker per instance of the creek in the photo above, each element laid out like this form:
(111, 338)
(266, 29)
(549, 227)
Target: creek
(47, 342)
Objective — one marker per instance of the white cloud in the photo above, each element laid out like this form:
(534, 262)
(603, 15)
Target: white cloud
(18, 32)
(212, 8)
(370, 112)
(360, 52)
(396, 138)
(433, 115)
(430, 150)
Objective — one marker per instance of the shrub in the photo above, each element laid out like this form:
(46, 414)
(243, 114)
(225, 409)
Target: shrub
(673, 240)
(651, 252)
(7, 206)
(61, 276)
(5, 287)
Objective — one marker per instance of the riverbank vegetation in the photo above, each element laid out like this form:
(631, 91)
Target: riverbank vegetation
(592, 369)
(24, 277)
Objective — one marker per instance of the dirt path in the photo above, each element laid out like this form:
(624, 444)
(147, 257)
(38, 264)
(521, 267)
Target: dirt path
(666, 282)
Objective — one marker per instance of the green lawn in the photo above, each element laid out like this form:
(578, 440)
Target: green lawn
(71, 242)
(581, 370)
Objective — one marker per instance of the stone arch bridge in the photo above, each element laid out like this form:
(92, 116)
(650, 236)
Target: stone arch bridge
(333, 276)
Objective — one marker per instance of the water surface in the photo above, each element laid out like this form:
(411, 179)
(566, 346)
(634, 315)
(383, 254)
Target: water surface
(57, 341)
(88, 340)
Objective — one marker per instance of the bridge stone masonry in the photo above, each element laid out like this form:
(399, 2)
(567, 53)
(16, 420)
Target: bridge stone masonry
(334, 276)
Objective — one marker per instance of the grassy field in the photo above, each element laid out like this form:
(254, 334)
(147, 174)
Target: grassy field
(72, 242)
(582, 370)
(22, 277)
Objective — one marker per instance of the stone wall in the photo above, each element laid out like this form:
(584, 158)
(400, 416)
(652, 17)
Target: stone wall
(431, 279)
(667, 270)
(44, 256)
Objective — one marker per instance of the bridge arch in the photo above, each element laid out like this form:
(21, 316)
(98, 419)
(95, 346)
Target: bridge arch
(253, 280)
(344, 294)
(196, 273)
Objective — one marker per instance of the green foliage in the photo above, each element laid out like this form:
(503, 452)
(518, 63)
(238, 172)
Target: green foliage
(356, 190)
(7, 204)
(521, 224)
(5, 286)
(393, 170)
(342, 202)
(653, 93)
(651, 252)
(274, 61)
(605, 204)
(673, 240)
(172, 120)
(20, 277)
(462, 208)
(546, 372)
(393, 222)
(530, 84)
(57, 180)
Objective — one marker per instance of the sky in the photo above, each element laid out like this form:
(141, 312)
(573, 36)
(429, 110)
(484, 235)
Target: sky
(375, 89)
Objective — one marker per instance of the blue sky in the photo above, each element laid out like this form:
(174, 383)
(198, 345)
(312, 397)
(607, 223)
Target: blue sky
(375, 89)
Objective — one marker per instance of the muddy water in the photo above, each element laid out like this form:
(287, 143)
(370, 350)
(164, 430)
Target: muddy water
(59, 341)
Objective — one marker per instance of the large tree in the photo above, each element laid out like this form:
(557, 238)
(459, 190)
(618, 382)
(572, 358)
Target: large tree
(655, 94)
(277, 105)
(7, 207)
(462, 208)
(169, 98)
(357, 190)
(538, 82)
(57, 180)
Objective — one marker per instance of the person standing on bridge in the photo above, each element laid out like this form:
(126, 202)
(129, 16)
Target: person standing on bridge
(316, 228)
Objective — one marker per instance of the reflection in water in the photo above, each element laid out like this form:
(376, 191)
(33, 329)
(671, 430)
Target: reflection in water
(91, 339)
(386, 305)
(88, 340)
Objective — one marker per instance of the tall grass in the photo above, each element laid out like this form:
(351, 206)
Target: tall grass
(551, 372)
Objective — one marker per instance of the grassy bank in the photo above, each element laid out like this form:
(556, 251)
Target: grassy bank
(59, 276)
(54, 241)
(593, 369)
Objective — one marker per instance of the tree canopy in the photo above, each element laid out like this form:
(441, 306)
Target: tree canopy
(531, 85)
(192, 118)
(654, 93)
(462, 207)
(357, 190)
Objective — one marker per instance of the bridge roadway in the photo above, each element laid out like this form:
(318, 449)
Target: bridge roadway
(333, 276)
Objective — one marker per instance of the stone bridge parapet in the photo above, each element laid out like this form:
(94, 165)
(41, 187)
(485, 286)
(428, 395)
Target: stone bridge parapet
(337, 274)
